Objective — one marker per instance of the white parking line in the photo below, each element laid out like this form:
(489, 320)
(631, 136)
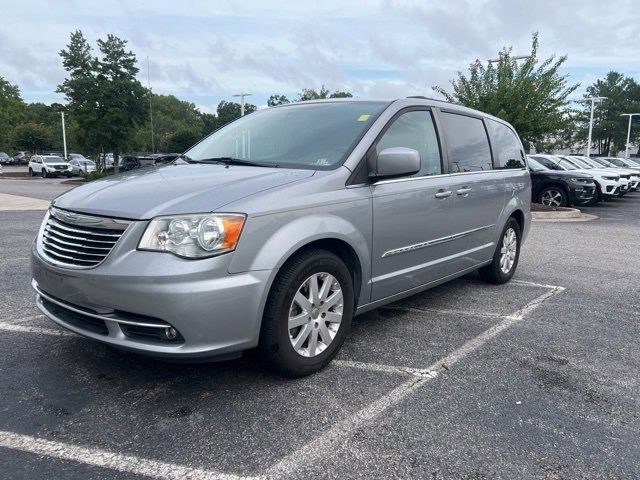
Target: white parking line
(12, 327)
(323, 446)
(106, 459)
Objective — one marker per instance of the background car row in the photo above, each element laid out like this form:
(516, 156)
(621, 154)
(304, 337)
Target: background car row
(565, 180)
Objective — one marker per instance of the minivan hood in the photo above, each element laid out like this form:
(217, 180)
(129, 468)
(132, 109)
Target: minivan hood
(174, 189)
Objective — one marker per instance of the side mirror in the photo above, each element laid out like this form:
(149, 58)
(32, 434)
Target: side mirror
(393, 162)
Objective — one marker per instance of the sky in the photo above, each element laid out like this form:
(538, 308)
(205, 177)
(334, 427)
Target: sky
(206, 51)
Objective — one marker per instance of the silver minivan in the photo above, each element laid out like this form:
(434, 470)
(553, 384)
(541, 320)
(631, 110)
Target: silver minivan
(275, 230)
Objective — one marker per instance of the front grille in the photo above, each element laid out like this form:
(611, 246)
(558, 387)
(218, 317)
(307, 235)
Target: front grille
(85, 243)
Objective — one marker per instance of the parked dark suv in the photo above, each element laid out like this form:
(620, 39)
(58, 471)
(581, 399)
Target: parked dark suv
(558, 188)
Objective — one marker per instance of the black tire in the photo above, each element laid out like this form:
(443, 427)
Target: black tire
(31, 173)
(564, 201)
(68, 175)
(44, 173)
(493, 273)
(80, 172)
(275, 345)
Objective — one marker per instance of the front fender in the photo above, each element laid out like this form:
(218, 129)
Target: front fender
(269, 241)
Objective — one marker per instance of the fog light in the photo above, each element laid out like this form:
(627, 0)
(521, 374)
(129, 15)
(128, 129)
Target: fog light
(171, 333)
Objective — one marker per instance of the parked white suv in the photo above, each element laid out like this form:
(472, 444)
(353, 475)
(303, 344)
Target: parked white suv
(608, 183)
(625, 178)
(49, 166)
(617, 163)
(634, 180)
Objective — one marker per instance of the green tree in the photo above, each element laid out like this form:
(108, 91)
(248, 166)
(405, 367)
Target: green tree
(170, 115)
(11, 110)
(275, 100)
(210, 123)
(609, 127)
(229, 111)
(531, 95)
(103, 94)
(312, 94)
(182, 140)
(30, 136)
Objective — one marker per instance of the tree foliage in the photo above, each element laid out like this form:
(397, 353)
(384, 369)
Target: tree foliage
(103, 93)
(11, 110)
(530, 95)
(609, 127)
(275, 100)
(229, 111)
(30, 136)
(312, 94)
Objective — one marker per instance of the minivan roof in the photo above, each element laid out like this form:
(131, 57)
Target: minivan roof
(404, 102)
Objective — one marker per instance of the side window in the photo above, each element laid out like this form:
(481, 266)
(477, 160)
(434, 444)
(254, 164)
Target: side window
(468, 141)
(508, 148)
(415, 129)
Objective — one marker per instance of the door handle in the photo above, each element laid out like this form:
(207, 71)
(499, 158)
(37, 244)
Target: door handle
(464, 191)
(443, 193)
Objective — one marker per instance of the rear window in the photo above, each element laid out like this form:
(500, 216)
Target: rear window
(508, 150)
(468, 142)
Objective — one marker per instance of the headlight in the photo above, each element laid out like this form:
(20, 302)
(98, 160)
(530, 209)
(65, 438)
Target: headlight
(609, 178)
(193, 236)
(580, 180)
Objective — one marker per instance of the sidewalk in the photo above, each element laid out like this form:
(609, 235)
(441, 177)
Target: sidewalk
(17, 202)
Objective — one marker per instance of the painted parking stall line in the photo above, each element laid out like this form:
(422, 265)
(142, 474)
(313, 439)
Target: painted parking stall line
(110, 460)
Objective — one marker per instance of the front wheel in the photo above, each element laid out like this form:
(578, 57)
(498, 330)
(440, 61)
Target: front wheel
(44, 173)
(31, 173)
(553, 197)
(308, 313)
(505, 258)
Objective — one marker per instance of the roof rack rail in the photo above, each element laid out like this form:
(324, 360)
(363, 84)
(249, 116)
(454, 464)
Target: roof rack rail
(428, 98)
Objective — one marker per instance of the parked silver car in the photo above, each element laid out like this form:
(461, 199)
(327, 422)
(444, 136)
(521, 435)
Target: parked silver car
(277, 229)
(81, 165)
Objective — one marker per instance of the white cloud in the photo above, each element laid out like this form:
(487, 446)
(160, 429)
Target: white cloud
(205, 51)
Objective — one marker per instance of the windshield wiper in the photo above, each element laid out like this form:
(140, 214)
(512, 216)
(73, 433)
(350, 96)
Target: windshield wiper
(227, 161)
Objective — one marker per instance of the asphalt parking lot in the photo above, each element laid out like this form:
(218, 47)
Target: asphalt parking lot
(538, 378)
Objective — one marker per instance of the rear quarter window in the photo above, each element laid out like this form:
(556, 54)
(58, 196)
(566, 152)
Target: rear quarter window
(507, 147)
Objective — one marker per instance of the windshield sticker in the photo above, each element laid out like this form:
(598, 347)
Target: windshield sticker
(363, 118)
(322, 162)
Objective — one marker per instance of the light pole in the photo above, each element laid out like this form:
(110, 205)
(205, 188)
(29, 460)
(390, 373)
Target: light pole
(242, 95)
(64, 137)
(593, 100)
(630, 115)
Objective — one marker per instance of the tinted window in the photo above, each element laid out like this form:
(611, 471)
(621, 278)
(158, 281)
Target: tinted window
(415, 130)
(546, 162)
(506, 145)
(468, 143)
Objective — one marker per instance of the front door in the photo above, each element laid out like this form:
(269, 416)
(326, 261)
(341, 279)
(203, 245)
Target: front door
(411, 215)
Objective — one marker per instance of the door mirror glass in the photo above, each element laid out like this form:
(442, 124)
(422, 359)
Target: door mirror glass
(396, 161)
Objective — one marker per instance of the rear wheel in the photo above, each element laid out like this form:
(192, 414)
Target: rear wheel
(44, 173)
(308, 313)
(553, 197)
(505, 258)
(31, 174)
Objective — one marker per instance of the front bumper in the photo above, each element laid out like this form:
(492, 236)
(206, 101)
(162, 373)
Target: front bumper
(130, 300)
(582, 194)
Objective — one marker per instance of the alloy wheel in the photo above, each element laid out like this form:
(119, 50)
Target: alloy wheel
(508, 250)
(552, 198)
(315, 314)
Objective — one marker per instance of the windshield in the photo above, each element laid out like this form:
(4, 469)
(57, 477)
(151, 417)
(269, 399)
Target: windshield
(601, 162)
(535, 166)
(632, 162)
(580, 163)
(313, 136)
(52, 160)
(550, 164)
(3, 155)
(567, 164)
